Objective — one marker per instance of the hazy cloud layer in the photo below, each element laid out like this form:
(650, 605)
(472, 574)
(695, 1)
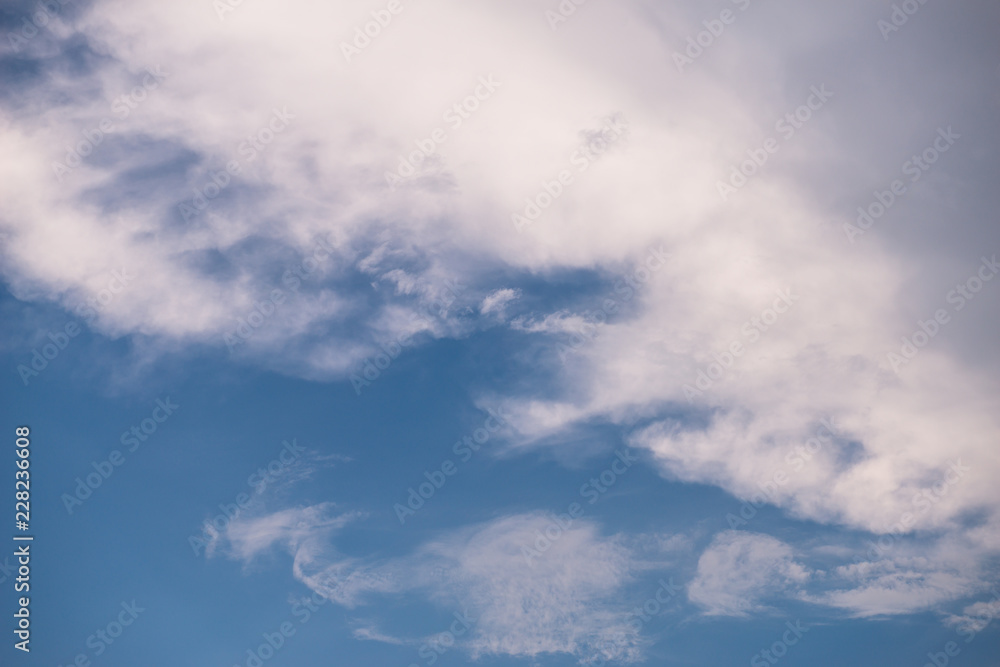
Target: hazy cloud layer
(264, 190)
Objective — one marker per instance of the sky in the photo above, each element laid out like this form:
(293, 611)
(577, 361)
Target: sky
(527, 333)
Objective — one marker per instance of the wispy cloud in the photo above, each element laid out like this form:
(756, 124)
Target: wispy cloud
(495, 302)
(568, 602)
(739, 572)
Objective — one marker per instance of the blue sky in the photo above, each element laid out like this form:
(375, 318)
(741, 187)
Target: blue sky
(523, 333)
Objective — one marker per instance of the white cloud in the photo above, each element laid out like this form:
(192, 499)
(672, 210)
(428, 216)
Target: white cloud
(246, 537)
(739, 571)
(977, 616)
(495, 301)
(898, 586)
(323, 176)
(742, 573)
(568, 600)
(375, 635)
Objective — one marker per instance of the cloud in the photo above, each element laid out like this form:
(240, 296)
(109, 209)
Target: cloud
(975, 617)
(742, 573)
(373, 634)
(495, 301)
(395, 256)
(565, 601)
(246, 537)
(568, 600)
(898, 586)
(739, 571)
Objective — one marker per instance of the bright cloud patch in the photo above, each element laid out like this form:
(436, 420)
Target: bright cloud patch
(565, 601)
(739, 571)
